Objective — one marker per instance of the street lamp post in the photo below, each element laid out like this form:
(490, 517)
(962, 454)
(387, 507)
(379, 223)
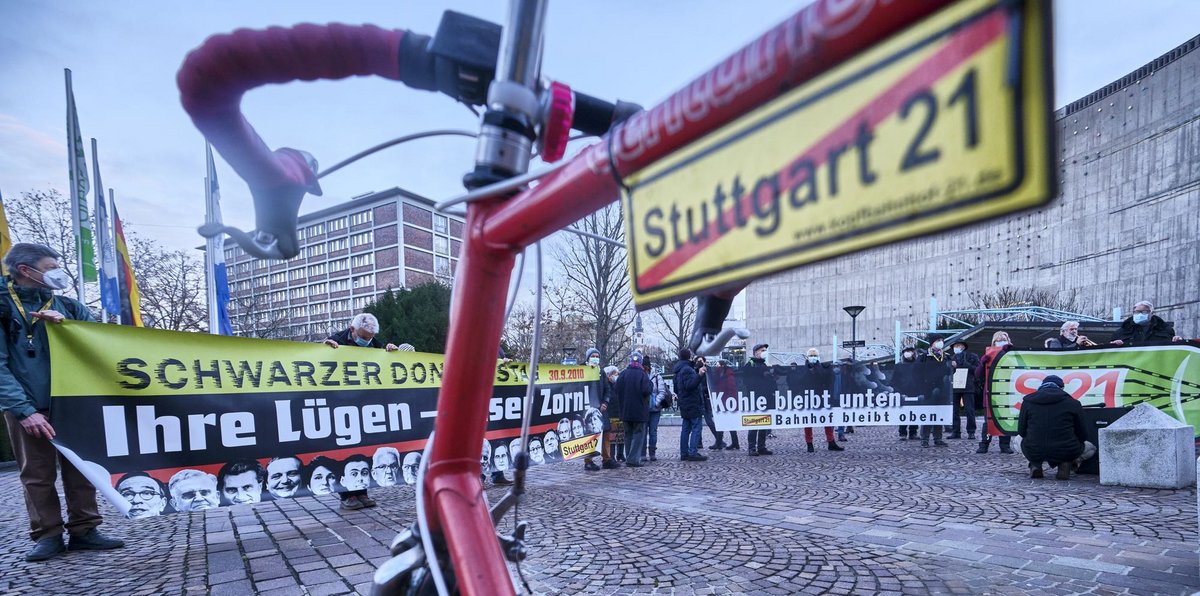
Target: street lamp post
(854, 311)
(569, 355)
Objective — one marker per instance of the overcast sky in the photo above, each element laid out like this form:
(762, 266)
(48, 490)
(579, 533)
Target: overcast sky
(124, 57)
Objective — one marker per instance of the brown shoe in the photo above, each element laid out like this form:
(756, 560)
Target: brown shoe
(1035, 471)
(1064, 471)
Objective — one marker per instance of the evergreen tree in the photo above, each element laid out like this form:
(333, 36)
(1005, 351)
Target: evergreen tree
(419, 316)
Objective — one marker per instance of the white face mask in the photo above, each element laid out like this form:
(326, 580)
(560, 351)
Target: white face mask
(938, 345)
(814, 359)
(958, 350)
(55, 279)
(1001, 344)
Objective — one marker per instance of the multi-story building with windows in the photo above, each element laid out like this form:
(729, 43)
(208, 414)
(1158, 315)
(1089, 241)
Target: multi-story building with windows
(350, 254)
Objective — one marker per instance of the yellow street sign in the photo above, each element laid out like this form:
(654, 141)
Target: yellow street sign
(941, 125)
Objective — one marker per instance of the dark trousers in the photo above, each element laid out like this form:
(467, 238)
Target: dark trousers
(756, 440)
(36, 459)
(635, 436)
(708, 421)
(964, 404)
(909, 431)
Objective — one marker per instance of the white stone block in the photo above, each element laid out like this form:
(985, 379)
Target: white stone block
(1149, 449)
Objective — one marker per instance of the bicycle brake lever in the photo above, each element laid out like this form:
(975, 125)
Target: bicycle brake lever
(276, 212)
(514, 544)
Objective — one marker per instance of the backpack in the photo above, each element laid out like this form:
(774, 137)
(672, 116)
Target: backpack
(666, 396)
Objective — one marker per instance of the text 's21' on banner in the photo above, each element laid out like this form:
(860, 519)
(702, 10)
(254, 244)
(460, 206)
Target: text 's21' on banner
(853, 394)
(1166, 377)
(164, 421)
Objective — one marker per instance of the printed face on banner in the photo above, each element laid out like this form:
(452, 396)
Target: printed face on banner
(356, 475)
(501, 458)
(145, 496)
(550, 442)
(412, 464)
(595, 421)
(385, 468)
(322, 481)
(240, 489)
(564, 430)
(283, 477)
(536, 454)
(193, 490)
(485, 459)
(576, 429)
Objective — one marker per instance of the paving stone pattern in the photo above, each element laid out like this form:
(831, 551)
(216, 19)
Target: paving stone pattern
(883, 517)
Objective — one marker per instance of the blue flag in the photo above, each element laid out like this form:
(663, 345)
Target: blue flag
(218, 280)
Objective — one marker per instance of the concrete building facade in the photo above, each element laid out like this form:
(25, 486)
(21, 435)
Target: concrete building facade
(1123, 228)
(351, 253)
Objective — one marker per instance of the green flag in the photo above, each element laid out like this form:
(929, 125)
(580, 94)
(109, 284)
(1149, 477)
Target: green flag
(77, 166)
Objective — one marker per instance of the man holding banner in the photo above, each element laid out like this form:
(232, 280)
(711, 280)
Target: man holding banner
(34, 275)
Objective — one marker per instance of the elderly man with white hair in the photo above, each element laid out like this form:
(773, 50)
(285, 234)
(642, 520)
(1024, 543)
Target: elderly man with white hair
(1069, 338)
(1145, 328)
(362, 331)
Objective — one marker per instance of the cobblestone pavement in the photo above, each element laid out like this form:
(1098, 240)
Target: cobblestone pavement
(882, 517)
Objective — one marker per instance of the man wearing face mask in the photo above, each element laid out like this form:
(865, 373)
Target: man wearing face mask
(1145, 328)
(964, 397)
(936, 353)
(902, 381)
(361, 333)
(29, 305)
(760, 379)
(812, 375)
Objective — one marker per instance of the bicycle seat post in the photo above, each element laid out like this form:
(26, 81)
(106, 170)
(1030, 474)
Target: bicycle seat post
(509, 126)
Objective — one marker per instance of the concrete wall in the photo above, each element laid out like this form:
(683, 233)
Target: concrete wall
(1125, 227)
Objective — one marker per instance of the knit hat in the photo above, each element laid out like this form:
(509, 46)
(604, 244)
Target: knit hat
(932, 337)
(590, 352)
(635, 357)
(1054, 380)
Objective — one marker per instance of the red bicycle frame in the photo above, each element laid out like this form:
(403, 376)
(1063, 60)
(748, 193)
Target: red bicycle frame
(813, 40)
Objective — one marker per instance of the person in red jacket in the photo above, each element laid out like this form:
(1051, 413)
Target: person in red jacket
(1000, 344)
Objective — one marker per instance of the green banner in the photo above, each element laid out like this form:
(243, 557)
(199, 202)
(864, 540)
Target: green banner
(1166, 377)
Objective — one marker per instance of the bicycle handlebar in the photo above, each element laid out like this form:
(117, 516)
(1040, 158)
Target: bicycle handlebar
(214, 77)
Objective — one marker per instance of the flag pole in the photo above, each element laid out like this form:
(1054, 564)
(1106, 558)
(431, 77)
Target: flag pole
(214, 321)
(73, 150)
(111, 226)
(100, 244)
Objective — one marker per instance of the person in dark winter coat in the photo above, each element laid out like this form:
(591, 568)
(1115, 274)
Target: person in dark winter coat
(964, 397)
(633, 389)
(725, 381)
(691, 407)
(904, 381)
(1145, 328)
(937, 354)
(610, 407)
(818, 377)
(759, 379)
(1051, 428)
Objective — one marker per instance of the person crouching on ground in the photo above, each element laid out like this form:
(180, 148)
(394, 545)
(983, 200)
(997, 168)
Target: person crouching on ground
(1051, 430)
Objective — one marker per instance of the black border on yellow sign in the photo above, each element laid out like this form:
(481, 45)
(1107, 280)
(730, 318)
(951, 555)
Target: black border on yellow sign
(1016, 22)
